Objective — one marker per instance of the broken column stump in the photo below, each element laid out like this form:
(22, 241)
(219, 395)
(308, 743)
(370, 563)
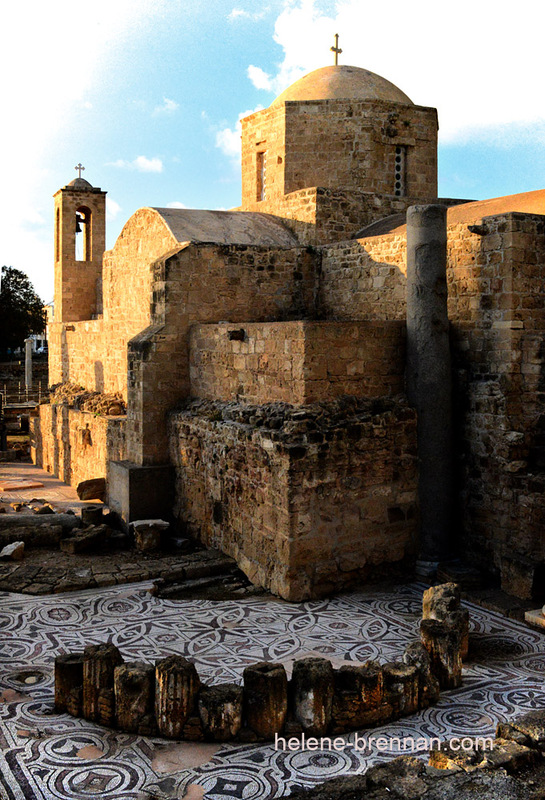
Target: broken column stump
(68, 679)
(134, 691)
(148, 533)
(99, 663)
(358, 697)
(265, 698)
(417, 656)
(443, 602)
(400, 688)
(220, 710)
(312, 692)
(176, 688)
(444, 648)
(92, 515)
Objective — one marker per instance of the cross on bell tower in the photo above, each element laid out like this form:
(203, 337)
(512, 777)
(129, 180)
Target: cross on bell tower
(80, 169)
(336, 49)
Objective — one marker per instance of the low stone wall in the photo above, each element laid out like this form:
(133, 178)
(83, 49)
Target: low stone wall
(297, 362)
(170, 699)
(76, 445)
(307, 500)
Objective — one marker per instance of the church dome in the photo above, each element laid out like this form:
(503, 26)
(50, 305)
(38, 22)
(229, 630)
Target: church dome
(343, 83)
(80, 183)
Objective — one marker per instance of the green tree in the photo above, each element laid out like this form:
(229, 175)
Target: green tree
(21, 310)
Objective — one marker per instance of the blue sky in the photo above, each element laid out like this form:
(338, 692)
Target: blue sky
(147, 95)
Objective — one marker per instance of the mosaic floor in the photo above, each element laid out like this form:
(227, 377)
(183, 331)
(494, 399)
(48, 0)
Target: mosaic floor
(45, 756)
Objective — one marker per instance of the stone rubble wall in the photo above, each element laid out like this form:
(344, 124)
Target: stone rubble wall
(76, 445)
(307, 500)
(297, 362)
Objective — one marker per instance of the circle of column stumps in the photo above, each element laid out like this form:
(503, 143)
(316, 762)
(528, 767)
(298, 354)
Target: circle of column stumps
(169, 699)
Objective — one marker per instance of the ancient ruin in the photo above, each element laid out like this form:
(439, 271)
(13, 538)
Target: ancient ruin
(169, 699)
(286, 367)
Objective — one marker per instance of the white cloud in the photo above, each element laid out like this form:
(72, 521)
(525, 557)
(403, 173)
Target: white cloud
(167, 107)
(417, 46)
(176, 204)
(259, 78)
(240, 13)
(39, 105)
(140, 163)
(228, 139)
(112, 209)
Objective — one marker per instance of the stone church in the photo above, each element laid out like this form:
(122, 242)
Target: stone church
(260, 353)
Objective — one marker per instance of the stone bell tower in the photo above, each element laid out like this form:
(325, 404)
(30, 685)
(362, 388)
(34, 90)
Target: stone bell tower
(80, 241)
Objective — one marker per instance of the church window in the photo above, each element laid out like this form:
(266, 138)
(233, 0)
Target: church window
(83, 234)
(261, 174)
(400, 170)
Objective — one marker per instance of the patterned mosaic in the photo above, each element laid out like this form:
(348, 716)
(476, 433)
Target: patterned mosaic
(45, 756)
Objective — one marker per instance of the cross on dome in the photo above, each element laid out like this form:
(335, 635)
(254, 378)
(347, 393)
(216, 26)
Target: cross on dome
(336, 49)
(80, 169)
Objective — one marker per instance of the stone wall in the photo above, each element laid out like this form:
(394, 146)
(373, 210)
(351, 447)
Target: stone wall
(320, 215)
(93, 353)
(307, 500)
(268, 283)
(339, 143)
(496, 275)
(497, 304)
(76, 445)
(297, 362)
(364, 279)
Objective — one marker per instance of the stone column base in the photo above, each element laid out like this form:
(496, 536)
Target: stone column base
(136, 492)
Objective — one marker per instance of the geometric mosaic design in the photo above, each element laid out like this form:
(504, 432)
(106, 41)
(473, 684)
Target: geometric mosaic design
(40, 751)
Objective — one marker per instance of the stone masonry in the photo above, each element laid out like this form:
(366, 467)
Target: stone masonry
(203, 320)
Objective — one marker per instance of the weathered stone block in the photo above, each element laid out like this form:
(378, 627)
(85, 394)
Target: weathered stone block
(443, 603)
(220, 709)
(134, 689)
(503, 754)
(401, 688)
(529, 729)
(99, 663)
(417, 656)
(94, 489)
(265, 698)
(148, 533)
(444, 647)
(68, 677)
(90, 539)
(13, 552)
(312, 688)
(176, 686)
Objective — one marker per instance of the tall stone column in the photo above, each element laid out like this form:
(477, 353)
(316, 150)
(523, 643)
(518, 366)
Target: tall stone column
(28, 364)
(429, 378)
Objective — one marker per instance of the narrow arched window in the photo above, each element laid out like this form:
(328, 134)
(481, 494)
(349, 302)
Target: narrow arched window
(83, 234)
